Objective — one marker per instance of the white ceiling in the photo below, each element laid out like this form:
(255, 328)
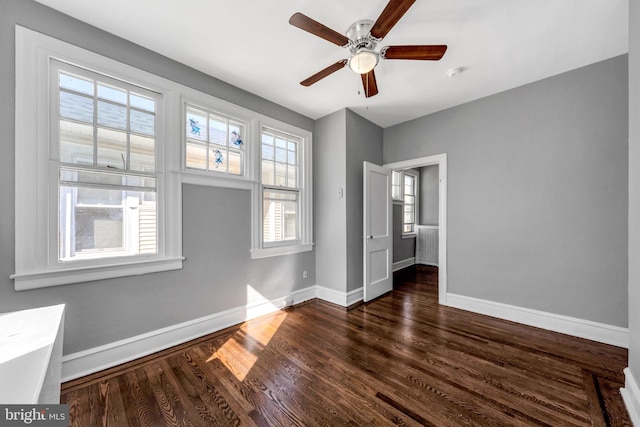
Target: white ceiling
(501, 44)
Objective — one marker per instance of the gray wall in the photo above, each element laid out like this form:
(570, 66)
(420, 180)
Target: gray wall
(537, 192)
(330, 210)
(634, 188)
(402, 248)
(216, 229)
(364, 143)
(429, 195)
(343, 141)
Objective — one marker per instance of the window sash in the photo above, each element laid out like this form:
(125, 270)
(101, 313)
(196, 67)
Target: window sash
(108, 223)
(205, 149)
(279, 227)
(409, 219)
(280, 159)
(103, 137)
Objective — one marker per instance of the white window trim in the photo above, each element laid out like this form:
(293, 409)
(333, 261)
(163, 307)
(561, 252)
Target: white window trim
(34, 173)
(305, 243)
(33, 52)
(416, 190)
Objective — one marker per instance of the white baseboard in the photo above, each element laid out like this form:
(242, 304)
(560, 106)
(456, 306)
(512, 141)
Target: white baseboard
(344, 299)
(331, 295)
(355, 296)
(89, 361)
(631, 396)
(86, 362)
(601, 332)
(435, 264)
(399, 265)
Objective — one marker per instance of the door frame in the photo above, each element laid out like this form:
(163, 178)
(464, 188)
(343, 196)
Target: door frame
(441, 161)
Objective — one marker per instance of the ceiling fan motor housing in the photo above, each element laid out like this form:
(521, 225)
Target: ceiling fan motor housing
(360, 37)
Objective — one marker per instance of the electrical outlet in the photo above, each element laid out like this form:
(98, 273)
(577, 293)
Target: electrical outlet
(304, 274)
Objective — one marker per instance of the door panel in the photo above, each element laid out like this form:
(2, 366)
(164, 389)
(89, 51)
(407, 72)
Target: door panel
(378, 238)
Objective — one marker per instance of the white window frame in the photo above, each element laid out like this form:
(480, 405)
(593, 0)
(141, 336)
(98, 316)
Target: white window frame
(259, 249)
(36, 172)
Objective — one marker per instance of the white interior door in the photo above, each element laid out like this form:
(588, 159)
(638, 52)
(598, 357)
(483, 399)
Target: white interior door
(378, 234)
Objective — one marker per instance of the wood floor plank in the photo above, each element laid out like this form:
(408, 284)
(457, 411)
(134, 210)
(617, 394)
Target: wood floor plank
(142, 412)
(169, 413)
(116, 414)
(182, 397)
(616, 414)
(214, 374)
(594, 395)
(400, 360)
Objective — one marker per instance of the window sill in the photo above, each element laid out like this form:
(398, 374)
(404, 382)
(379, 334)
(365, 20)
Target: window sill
(409, 236)
(86, 274)
(281, 250)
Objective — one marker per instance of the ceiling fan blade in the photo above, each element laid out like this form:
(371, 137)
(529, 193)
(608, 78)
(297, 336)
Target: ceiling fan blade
(324, 73)
(314, 27)
(369, 84)
(423, 52)
(391, 14)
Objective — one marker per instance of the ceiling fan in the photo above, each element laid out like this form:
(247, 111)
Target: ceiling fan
(361, 39)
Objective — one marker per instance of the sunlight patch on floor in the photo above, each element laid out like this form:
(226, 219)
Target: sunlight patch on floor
(240, 352)
(237, 359)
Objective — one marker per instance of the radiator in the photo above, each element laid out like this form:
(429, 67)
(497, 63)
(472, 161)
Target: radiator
(427, 245)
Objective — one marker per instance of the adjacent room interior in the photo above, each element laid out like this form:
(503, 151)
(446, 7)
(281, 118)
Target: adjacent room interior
(440, 228)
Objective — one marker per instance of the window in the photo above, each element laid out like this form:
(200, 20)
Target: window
(105, 134)
(93, 199)
(409, 209)
(214, 142)
(280, 187)
(396, 185)
(404, 189)
(285, 194)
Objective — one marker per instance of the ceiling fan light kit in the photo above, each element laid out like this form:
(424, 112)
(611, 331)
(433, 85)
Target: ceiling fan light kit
(363, 61)
(361, 39)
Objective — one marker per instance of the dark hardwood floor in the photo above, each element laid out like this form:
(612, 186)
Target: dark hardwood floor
(401, 359)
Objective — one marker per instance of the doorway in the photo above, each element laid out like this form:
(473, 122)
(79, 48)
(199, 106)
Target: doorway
(441, 161)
